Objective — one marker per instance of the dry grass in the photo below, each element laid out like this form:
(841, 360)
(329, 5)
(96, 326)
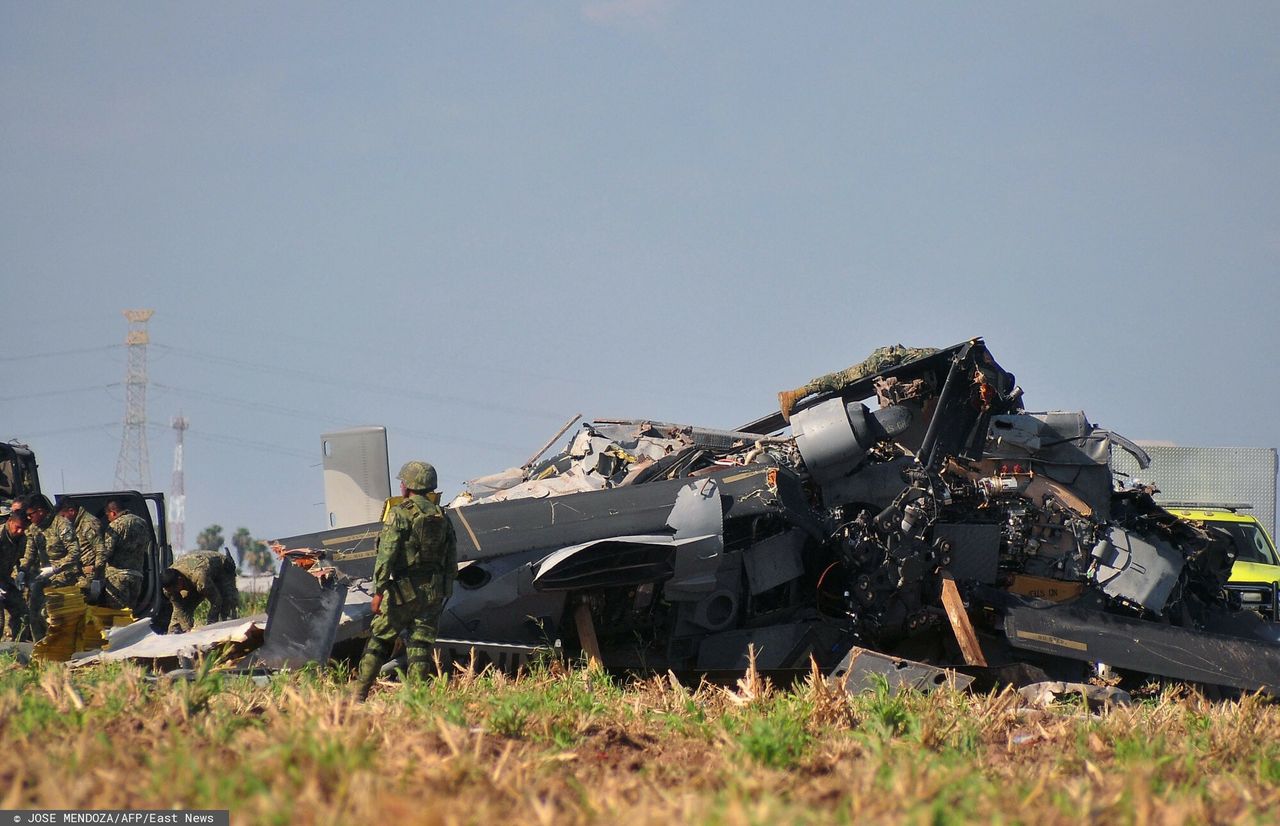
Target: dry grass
(573, 746)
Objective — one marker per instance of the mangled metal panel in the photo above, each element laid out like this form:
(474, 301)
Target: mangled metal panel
(352, 550)
(1063, 446)
(138, 641)
(303, 612)
(1078, 633)
(1140, 570)
(863, 670)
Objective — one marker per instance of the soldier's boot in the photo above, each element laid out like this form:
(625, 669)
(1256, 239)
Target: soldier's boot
(370, 665)
(787, 400)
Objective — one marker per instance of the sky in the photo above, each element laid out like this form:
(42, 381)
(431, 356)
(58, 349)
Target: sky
(469, 222)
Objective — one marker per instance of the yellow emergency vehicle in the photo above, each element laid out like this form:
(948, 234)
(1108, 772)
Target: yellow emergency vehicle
(1256, 572)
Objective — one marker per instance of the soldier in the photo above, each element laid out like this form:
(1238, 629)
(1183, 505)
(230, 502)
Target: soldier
(87, 532)
(13, 542)
(126, 546)
(199, 576)
(412, 576)
(36, 568)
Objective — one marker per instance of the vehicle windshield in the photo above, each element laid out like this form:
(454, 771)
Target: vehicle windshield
(1250, 541)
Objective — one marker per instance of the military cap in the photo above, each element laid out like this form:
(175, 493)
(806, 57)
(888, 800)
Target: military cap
(417, 476)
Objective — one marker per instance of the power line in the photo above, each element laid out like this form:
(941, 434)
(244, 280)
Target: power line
(330, 381)
(239, 442)
(77, 352)
(264, 407)
(255, 328)
(68, 392)
(267, 407)
(108, 427)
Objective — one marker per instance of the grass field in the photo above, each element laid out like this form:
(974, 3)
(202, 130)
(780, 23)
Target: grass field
(561, 745)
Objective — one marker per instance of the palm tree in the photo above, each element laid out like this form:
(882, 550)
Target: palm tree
(210, 539)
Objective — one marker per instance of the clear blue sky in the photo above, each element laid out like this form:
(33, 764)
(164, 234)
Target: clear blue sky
(469, 221)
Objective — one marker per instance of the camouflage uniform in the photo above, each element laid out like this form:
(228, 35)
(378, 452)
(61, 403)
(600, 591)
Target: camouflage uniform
(880, 360)
(11, 603)
(88, 530)
(414, 572)
(73, 548)
(126, 545)
(34, 558)
(214, 577)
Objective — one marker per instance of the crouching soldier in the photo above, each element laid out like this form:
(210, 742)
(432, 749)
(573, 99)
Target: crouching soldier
(196, 577)
(412, 576)
(126, 545)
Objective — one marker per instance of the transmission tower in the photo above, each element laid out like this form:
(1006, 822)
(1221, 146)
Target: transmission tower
(178, 491)
(133, 468)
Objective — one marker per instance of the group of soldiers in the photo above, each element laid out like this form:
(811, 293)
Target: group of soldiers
(45, 546)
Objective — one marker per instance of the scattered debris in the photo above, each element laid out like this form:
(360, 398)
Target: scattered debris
(862, 670)
(1046, 694)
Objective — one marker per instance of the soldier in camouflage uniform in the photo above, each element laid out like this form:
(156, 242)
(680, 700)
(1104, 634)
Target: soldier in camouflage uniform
(881, 359)
(126, 546)
(36, 567)
(412, 576)
(73, 544)
(13, 541)
(199, 576)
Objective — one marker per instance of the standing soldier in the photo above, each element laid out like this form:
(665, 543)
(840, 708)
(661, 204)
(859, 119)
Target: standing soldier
(126, 545)
(13, 542)
(412, 576)
(37, 568)
(198, 576)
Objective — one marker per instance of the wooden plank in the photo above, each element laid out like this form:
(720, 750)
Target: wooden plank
(960, 624)
(587, 634)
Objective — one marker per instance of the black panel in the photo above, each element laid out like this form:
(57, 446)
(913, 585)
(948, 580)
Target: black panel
(1136, 645)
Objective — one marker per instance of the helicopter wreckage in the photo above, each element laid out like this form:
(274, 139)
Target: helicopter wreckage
(944, 528)
(944, 534)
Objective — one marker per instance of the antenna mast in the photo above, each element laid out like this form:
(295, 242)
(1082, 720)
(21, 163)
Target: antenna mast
(133, 468)
(178, 490)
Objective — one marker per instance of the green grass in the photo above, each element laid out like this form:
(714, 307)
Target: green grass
(571, 744)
